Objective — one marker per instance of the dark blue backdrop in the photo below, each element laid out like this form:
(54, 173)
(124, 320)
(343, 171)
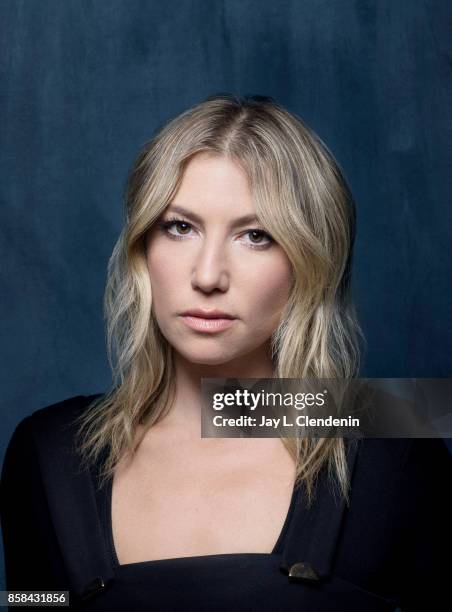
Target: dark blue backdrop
(83, 85)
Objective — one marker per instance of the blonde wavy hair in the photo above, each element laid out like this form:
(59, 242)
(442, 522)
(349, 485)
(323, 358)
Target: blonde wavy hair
(303, 201)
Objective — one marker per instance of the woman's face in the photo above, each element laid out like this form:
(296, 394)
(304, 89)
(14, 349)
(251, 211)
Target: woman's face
(210, 260)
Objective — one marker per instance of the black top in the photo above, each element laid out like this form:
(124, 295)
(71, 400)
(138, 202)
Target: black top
(390, 548)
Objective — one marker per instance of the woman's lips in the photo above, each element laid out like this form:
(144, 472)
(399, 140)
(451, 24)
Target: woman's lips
(207, 325)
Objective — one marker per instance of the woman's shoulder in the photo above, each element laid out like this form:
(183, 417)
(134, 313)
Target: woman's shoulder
(71, 406)
(63, 411)
(48, 423)
(406, 474)
(392, 459)
(383, 454)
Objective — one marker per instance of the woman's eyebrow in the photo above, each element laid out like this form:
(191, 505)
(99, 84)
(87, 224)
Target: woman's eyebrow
(197, 219)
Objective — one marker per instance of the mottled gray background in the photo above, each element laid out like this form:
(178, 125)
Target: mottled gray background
(84, 84)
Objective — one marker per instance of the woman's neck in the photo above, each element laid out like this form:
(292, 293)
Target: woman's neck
(186, 409)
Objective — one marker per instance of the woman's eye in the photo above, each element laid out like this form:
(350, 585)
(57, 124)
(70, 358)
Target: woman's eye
(181, 225)
(259, 238)
(183, 228)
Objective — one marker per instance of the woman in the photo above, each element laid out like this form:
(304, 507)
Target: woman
(234, 262)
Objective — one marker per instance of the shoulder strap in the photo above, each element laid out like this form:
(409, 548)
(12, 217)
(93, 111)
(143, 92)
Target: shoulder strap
(71, 497)
(313, 532)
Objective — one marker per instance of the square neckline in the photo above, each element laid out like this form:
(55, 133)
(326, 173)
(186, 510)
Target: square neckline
(107, 525)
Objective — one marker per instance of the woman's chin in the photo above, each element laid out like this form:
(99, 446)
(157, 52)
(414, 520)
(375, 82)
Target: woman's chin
(207, 358)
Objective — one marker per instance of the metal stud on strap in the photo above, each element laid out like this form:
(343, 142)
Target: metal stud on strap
(303, 571)
(93, 587)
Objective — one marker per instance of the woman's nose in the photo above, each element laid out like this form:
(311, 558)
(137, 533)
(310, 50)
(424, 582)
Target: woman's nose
(210, 268)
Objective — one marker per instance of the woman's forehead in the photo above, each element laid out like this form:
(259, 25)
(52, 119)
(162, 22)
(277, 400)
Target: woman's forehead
(211, 183)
